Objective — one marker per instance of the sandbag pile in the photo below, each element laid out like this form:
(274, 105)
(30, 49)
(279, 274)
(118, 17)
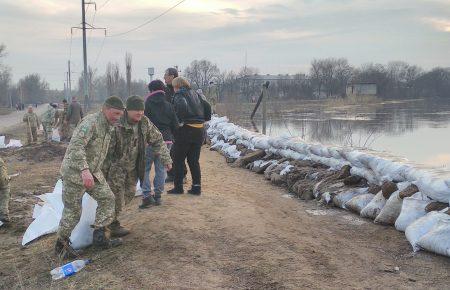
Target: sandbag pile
(387, 192)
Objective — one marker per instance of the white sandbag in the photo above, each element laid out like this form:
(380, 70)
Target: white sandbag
(417, 229)
(82, 234)
(340, 199)
(391, 210)
(374, 207)
(37, 211)
(412, 209)
(138, 189)
(46, 223)
(2, 142)
(13, 143)
(359, 202)
(437, 240)
(55, 135)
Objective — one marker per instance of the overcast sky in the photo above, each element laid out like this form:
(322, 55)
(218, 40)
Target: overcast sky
(278, 36)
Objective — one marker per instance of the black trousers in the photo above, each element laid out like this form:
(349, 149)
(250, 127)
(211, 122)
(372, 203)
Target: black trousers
(171, 172)
(188, 144)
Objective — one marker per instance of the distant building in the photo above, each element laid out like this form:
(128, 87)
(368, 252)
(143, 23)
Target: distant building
(361, 89)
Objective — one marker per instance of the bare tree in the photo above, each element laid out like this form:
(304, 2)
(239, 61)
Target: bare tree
(201, 73)
(112, 79)
(128, 59)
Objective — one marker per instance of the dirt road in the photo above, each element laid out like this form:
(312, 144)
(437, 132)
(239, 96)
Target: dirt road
(241, 233)
(15, 117)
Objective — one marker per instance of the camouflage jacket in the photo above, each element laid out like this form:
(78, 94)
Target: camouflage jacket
(126, 146)
(32, 120)
(4, 178)
(88, 148)
(49, 116)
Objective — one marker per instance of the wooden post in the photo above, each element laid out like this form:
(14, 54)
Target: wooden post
(264, 109)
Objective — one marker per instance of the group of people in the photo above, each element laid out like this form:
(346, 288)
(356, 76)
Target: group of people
(113, 149)
(64, 120)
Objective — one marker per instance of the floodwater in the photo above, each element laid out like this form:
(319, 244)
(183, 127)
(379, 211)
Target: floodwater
(414, 131)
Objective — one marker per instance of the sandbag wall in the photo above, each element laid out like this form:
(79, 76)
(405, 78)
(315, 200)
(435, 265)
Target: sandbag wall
(387, 192)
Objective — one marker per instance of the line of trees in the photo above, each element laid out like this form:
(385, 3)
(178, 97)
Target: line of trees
(327, 78)
(30, 89)
(113, 82)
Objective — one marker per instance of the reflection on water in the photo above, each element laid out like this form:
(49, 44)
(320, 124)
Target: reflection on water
(410, 131)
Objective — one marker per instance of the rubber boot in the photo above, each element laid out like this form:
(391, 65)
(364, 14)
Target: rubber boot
(103, 240)
(147, 202)
(64, 250)
(195, 190)
(117, 230)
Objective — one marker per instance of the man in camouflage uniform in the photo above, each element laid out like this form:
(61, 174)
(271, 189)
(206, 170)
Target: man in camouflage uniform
(61, 122)
(4, 193)
(32, 123)
(81, 172)
(125, 162)
(48, 120)
(74, 115)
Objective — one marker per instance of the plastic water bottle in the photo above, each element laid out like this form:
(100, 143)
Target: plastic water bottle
(69, 269)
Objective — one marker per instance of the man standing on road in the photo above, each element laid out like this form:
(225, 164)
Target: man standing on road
(48, 120)
(4, 193)
(169, 75)
(125, 162)
(32, 123)
(62, 123)
(74, 115)
(81, 172)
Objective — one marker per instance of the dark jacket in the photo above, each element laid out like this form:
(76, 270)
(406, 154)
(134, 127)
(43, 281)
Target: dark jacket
(74, 113)
(188, 107)
(169, 93)
(161, 114)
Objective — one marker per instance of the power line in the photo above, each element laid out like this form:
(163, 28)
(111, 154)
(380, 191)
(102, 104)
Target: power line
(104, 4)
(149, 21)
(100, 51)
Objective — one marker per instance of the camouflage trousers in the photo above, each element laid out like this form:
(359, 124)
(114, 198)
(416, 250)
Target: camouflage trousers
(5, 196)
(32, 135)
(70, 130)
(64, 131)
(72, 196)
(48, 131)
(123, 185)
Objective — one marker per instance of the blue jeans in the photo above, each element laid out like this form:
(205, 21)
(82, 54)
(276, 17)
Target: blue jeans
(160, 173)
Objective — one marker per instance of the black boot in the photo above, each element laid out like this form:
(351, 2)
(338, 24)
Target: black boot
(64, 250)
(117, 230)
(195, 190)
(103, 240)
(5, 219)
(157, 200)
(147, 202)
(176, 190)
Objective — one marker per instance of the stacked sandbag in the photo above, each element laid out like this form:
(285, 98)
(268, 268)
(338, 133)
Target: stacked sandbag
(377, 203)
(393, 206)
(420, 227)
(437, 240)
(357, 203)
(412, 208)
(341, 198)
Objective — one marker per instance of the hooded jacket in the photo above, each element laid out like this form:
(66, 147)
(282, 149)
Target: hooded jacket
(161, 114)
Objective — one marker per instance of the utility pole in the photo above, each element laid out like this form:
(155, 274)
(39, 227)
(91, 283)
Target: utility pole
(69, 83)
(85, 65)
(85, 71)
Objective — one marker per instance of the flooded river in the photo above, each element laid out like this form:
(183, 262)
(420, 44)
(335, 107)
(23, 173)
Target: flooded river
(416, 131)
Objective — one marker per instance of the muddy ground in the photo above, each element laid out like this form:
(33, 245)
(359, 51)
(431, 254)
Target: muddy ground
(242, 233)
